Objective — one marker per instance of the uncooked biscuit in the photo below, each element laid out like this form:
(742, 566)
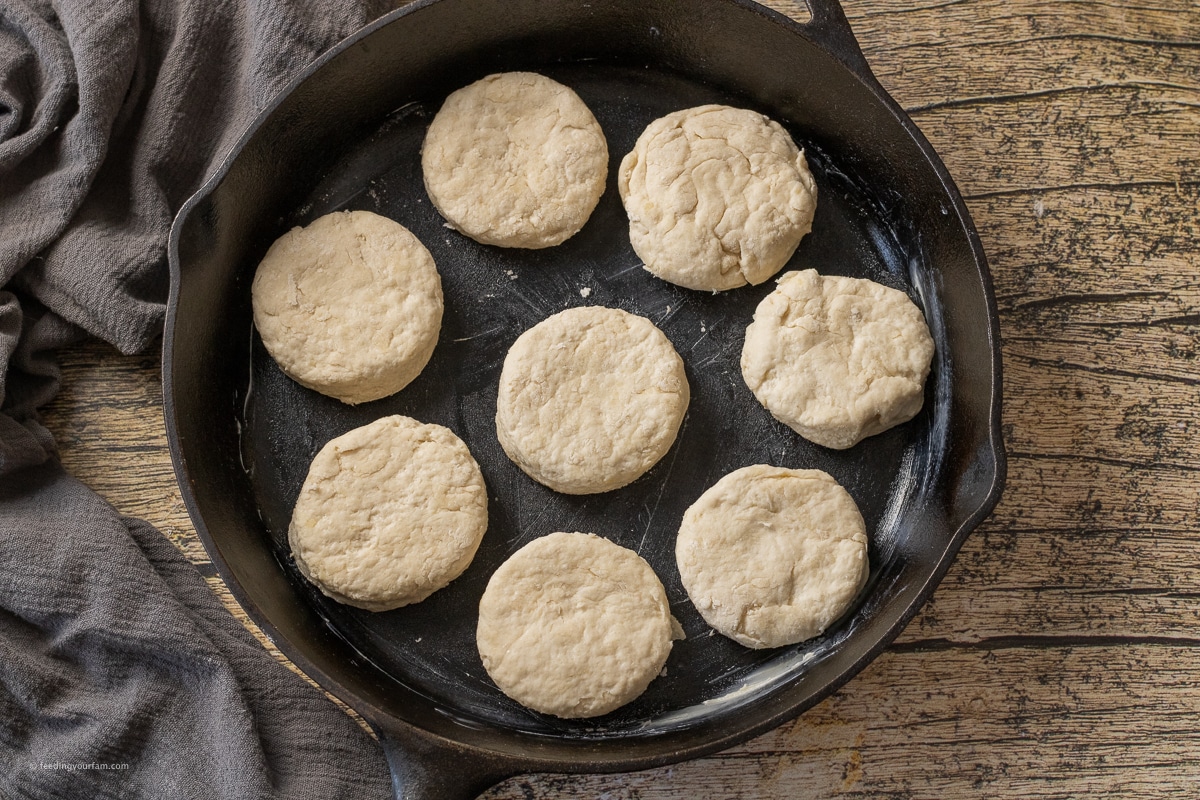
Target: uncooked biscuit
(837, 359)
(389, 513)
(772, 556)
(574, 625)
(349, 306)
(590, 399)
(717, 197)
(516, 160)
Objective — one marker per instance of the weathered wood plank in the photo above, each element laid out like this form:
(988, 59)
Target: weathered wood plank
(1110, 412)
(1129, 136)
(108, 424)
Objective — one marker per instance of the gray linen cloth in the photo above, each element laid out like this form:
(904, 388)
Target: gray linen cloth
(113, 651)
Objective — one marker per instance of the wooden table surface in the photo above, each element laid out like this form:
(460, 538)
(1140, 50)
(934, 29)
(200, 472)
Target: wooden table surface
(1060, 657)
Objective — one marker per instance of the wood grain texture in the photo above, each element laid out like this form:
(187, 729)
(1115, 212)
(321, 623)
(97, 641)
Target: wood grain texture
(1060, 657)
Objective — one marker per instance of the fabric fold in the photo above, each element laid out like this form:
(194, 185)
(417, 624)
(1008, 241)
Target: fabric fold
(119, 654)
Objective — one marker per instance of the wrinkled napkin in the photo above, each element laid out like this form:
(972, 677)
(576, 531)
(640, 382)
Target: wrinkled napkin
(121, 674)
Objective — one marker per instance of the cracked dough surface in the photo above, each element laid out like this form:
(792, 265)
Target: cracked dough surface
(389, 513)
(837, 359)
(772, 556)
(574, 625)
(515, 160)
(717, 197)
(349, 306)
(590, 399)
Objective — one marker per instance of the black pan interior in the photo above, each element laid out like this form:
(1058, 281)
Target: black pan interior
(246, 433)
(492, 295)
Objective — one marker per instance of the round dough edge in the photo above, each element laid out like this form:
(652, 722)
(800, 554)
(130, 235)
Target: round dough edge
(772, 556)
(574, 625)
(717, 197)
(389, 513)
(515, 159)
(349, 305)
(837, 359)
(590, 399)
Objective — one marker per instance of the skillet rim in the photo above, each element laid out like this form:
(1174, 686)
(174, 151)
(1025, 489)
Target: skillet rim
(828, 32)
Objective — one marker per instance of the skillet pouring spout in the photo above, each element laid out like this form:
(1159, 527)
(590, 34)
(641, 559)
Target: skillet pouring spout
(347, 135)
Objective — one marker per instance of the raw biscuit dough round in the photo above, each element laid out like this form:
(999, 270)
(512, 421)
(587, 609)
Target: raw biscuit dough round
(574, 625)
(590, 399)
(389, 513)
(349, 306)
(717, 197)
(837, 359)
(772, 556)
(515, 160)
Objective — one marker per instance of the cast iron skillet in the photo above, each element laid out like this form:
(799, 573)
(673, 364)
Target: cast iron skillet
(347, 134)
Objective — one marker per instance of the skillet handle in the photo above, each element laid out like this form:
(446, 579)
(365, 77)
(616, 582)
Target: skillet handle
(830, 29)
(425, 767)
